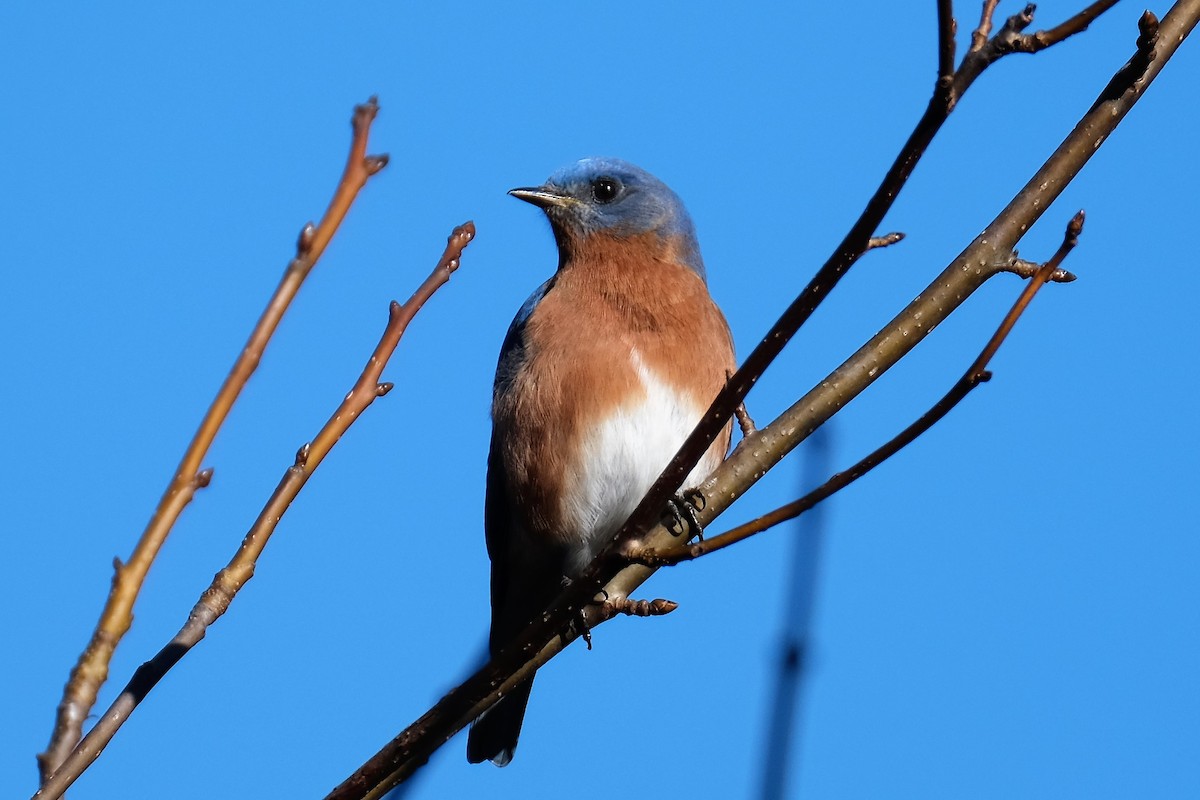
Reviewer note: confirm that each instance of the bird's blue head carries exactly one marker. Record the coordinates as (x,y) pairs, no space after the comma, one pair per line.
(614,197)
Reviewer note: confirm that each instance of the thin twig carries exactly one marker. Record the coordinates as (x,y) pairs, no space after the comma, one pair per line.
(745,421)
(91,670)
(1026,269)
(980,35)
(1033,42)
(216,598)
(538,643)
(887,240)
(1011,39)
(976,374)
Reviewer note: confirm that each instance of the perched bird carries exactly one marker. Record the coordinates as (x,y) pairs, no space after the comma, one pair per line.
(604,372)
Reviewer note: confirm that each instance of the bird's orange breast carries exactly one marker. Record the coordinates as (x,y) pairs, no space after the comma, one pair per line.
(597,408)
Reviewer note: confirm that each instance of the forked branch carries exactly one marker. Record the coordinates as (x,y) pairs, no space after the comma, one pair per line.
(991,253)
(975,375)
(216,598)
(91,670)
(1011,38)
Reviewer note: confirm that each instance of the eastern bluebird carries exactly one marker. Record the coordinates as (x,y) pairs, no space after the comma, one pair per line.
(604,372)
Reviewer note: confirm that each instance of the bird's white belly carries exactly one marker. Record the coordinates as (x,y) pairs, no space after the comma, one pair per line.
(622,456)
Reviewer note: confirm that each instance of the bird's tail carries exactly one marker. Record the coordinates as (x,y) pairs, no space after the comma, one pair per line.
(494,733)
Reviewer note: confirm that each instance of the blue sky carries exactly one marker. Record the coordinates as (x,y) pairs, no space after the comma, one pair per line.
(1008,608)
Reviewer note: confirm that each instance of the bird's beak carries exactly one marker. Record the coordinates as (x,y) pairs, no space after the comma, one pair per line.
(542,196)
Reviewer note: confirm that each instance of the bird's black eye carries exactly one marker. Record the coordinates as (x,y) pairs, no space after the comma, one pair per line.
(605,189)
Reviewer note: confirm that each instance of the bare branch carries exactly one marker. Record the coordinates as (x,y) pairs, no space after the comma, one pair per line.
(1032,43)
(91,670)
(984,52)
(976,374)
(991,252)
(216,599)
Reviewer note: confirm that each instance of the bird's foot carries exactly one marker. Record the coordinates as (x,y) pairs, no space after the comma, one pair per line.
(680,517)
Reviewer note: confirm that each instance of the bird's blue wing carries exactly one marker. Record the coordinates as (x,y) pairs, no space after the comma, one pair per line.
(494,734)
(512,352)
(497,516)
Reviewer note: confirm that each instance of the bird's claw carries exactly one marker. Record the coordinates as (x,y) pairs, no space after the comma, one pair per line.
(585,631)
(680,517)
(581,623)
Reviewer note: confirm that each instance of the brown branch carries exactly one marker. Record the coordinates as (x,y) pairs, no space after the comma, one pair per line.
(1033,42)
(976,374)
(1011,39)
(539,643)
(980,35)
(91,670)
(216,598)
(989,254)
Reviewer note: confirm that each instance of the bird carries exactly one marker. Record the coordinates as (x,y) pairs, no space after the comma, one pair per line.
(603,373)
